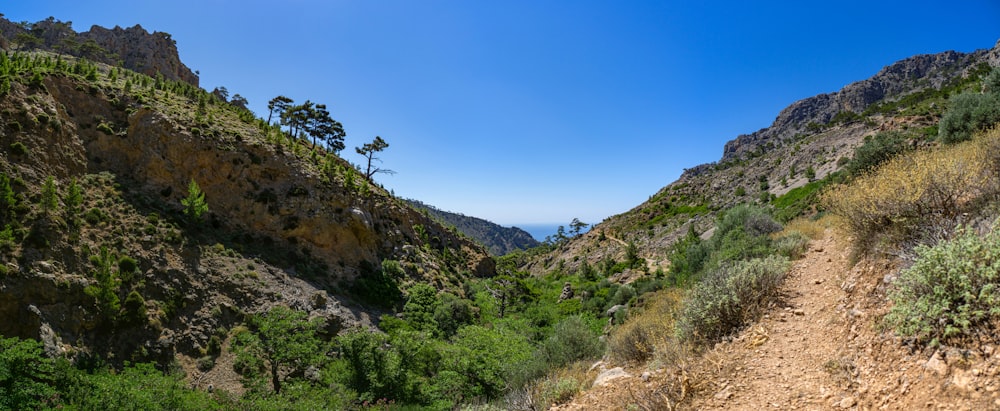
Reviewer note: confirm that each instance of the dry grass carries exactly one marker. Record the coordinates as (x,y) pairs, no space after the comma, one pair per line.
(561,385)
(919,193)
(647,332)
(814,229)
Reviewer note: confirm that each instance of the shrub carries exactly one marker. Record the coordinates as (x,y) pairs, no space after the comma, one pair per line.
(951,289)
(105,128)
(917,192)
(968,113)
(18,148)
(571,340)
(650,331)
(792,245)
(729,297)
(876,150)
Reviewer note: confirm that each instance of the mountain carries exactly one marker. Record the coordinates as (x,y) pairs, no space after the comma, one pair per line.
(497,239)
(809,140)
(123,271)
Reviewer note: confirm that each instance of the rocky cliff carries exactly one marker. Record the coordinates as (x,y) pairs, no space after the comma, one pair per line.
(134,48)
(497,239)
(903,77)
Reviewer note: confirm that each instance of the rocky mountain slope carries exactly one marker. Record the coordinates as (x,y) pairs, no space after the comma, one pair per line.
(497,239)
(134,48)
(809,140)
(124,274)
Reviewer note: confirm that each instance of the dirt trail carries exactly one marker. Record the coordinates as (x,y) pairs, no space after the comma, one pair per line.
(820,348)
(793,358)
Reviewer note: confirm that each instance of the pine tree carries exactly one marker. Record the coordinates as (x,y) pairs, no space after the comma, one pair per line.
(194,204)
(50,196)
(73,201)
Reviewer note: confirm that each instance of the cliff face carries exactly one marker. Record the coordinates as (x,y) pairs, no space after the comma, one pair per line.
(133,48)
(905,76)
(143,52)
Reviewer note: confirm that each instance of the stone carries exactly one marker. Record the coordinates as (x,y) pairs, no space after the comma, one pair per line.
(847,402)
(609,375)
(724,394)
(937,364)
(567,292)
(645,376)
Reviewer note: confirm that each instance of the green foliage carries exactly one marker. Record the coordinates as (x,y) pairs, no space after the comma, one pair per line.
(73,202)
(420,306)
(284,340)
(106,129)
(25,375)
(106,289)
(194,203)
(876,150)
(134,309)
(968,113)
(18,148)
(730,296)
(380,286)
(8,201)
(810,173)
(50,196)
(571,340)
(489,358)
(952,290)
(373,371)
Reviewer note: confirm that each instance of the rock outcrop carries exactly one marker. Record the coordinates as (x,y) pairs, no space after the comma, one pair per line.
(134,48)
(905,76)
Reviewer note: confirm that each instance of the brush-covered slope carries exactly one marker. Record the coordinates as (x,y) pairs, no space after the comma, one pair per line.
(783,164)
(122,272)
(497,239)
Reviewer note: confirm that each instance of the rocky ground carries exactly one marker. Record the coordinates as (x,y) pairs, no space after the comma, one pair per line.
(821,347)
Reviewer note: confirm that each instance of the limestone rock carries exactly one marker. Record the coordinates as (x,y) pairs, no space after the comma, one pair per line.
(608,375)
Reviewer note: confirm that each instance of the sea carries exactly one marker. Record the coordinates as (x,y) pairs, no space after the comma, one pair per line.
(540,231)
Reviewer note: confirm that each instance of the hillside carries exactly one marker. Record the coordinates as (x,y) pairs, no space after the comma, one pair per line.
(288,224)
(497,239)
(809,140)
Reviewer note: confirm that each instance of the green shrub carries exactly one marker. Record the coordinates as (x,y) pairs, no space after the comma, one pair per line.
(729,297)
(105,128)
(952,289)
(875,150)
(18,148)
(94,216)
(968,113)
(792,245)
(571,340)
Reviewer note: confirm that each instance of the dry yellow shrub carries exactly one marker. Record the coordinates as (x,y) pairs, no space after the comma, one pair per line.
(648,332)
(917,190)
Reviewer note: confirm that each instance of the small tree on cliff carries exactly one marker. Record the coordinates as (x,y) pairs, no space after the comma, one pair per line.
(194,203)
(369,150)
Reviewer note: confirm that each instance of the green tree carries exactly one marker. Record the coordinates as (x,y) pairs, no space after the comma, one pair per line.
(286,340)
(320,126)
(8,201)
(194,203)
(576,226)
(25,375)
(73,201)
(420,306)
(106,289)
(278,104)
(369,151)
(50,196)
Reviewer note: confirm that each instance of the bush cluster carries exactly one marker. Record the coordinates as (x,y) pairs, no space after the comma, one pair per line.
(730,296)
(951,290)
(916,193)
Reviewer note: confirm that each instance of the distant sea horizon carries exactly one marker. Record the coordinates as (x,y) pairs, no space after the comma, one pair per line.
(539,231)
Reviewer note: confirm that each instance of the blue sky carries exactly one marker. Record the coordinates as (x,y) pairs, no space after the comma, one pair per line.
(527,112)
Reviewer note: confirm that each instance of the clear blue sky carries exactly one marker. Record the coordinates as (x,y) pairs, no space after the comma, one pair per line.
(540,111)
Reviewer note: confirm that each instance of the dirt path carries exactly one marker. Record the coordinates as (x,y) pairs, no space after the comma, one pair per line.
(794,357)
(820,348)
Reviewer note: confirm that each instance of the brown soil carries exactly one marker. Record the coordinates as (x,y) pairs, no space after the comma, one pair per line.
(820,347)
